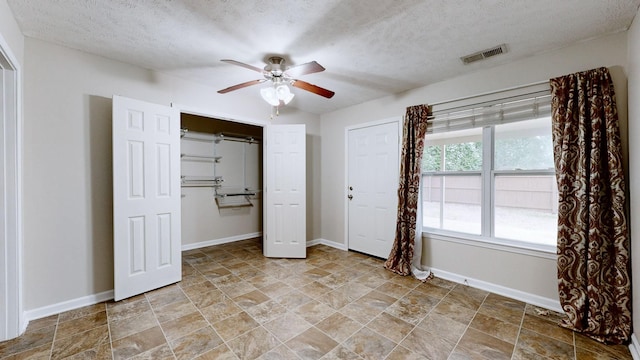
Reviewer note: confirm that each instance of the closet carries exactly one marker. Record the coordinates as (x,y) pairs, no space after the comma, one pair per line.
(221,181)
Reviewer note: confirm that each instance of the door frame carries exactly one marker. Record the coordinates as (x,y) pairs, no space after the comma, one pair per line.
(12,318)
(265,154)
(208,113)
(186,109)
(395,119)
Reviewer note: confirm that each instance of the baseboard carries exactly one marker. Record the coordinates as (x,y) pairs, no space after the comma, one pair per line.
(221,241)
(634,347)
(61,307)
(326,242)
(24,322)
(547,303)
(314,242)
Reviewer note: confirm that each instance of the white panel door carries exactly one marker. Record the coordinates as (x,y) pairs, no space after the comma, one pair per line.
(373,170)
(284,233)
(146,196)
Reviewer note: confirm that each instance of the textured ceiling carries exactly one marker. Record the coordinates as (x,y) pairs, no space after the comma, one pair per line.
(369,48)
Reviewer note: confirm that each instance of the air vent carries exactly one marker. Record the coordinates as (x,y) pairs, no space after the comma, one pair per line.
(481,55)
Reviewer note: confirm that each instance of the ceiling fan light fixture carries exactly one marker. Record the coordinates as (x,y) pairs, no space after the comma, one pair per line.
(277,93)
(284,93)
(269,95)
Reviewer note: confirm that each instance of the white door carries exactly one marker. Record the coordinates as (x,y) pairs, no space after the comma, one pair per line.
(146,196)
(284,233)
(373,170)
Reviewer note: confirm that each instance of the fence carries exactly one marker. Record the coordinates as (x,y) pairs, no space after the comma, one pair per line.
(526,192)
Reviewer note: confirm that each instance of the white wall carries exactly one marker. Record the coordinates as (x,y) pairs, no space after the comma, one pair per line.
(493,266)
(633,41)
(67,161)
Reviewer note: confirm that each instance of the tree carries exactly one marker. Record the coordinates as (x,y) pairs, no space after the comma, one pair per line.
(431,158)
(534,152)
(458,157)
(527,153)
(463,157)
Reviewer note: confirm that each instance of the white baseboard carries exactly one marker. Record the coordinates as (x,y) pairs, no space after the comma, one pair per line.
(326,242)
(547,303)
(24,322)
(221,241)
(73,304)
(314,242)
(634,347)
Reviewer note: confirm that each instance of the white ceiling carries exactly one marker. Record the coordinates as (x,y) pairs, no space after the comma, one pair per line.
(370,48)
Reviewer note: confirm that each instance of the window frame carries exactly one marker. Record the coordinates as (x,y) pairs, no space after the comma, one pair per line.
(488,175)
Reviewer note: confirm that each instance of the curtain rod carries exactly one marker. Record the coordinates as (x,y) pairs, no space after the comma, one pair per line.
(489,93)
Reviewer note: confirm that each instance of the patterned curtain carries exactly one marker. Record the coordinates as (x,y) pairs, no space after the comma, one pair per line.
(593,243)
(414,131)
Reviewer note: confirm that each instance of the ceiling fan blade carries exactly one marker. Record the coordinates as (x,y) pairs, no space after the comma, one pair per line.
(240,86)
(313,88)
(303,69)
(246,66)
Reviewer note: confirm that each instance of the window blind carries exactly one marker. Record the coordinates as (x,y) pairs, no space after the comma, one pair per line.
(501,111)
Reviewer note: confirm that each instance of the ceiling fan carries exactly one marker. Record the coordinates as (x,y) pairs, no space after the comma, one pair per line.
(279,75)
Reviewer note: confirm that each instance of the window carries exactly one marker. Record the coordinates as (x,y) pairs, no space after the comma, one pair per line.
(488,174)
(452,182)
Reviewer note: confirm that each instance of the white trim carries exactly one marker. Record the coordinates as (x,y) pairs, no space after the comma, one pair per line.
(547,303)
(314,242)
(397,119)
(218,116)
(326,242)
(221,241)
(12,320)
(68,305)
(634,347)
(373,123)
(234,118)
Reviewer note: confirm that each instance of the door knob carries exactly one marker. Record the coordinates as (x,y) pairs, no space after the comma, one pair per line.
(350,196)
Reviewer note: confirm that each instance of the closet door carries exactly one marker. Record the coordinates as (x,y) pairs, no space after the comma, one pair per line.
(146,196)
(285,232)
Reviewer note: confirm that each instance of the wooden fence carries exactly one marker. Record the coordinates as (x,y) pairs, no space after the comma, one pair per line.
(526,192)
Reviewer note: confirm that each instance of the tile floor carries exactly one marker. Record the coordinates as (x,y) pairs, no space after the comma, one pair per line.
(235,304)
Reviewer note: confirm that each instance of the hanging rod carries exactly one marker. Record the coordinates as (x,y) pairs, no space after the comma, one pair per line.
(200,184)
(200,158)
(233,203)
(201,181)
(194,135)
(237,138)
(236,194)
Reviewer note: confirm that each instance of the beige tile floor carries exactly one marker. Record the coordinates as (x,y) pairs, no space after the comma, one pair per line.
(235,304)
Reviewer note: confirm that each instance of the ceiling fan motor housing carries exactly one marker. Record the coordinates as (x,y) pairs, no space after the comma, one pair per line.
(276,66)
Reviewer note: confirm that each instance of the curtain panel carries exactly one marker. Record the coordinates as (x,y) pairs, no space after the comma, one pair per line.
(593,243)
(405,249)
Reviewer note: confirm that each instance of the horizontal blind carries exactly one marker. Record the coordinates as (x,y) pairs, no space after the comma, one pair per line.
(501,111)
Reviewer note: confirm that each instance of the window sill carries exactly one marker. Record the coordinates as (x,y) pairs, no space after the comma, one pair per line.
(538,250)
